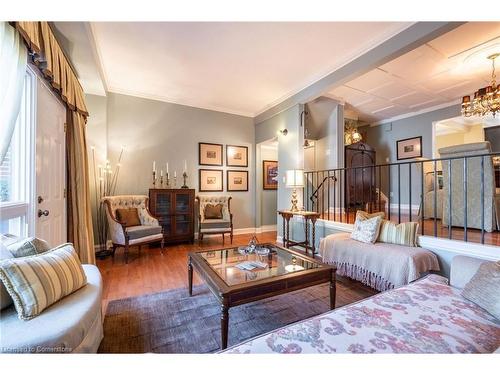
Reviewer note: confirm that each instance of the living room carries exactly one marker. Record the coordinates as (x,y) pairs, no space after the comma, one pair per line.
(166,190)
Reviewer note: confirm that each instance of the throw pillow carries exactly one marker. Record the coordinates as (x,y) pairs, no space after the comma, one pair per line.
(400,234)
(483,288)
(28,247)
(213,212)
(363,215)
(366,230)
(5,300)
(129,216)
(36,282)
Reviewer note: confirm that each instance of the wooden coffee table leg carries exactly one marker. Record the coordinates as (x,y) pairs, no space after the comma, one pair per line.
(333,289)
(224,324)
(190,277)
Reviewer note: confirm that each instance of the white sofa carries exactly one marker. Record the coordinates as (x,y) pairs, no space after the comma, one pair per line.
(72,325)
(426,316)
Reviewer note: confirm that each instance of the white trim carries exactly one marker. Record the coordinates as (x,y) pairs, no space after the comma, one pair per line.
(11,210)
(416,113)
(460,247)
(266,228)
(405,208)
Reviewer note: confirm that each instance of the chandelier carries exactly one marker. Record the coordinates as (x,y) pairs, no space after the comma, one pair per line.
(486,100)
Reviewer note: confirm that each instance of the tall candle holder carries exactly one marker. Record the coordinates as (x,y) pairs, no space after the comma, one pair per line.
(167,180)
(154,179)
(184,176)
(175,181)
(161,181)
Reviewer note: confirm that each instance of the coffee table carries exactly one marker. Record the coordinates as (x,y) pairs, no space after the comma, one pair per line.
(287,270)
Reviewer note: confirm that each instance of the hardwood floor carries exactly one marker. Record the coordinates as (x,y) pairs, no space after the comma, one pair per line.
(152,271)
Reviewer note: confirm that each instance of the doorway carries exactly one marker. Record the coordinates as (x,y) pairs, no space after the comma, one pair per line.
(266,193)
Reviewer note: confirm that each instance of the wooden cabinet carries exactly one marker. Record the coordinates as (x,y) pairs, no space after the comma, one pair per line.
(360,188)
(175,210)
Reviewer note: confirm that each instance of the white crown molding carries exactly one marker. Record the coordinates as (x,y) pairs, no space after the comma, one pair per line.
(318,78)
(416,113)
(187,103)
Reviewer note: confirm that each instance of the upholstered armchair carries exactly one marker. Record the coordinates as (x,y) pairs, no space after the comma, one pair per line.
(214,216)
(145,229)
(429,195)
(474,207)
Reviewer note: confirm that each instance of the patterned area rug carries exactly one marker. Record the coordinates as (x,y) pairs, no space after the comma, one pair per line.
(173,322)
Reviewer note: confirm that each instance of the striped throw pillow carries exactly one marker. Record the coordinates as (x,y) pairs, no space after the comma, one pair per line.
(399,234)
(38,281)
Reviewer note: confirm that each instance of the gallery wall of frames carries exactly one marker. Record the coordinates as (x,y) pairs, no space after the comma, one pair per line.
(214,155)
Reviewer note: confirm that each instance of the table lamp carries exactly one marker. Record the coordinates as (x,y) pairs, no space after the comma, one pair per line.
(294,179)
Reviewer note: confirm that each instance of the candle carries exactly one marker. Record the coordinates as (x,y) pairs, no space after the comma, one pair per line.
(167,167)
(161,172)
(175,174)
(154,166)
(185,166)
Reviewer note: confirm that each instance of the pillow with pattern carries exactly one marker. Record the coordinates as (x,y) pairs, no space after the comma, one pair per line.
(28,246)
(366,230)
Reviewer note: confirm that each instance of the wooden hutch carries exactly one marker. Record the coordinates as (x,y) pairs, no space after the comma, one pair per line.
(174,208)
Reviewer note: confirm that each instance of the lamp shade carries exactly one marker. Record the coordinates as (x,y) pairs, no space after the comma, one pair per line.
(295,178)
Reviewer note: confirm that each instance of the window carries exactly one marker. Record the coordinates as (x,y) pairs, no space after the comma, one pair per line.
(16,170)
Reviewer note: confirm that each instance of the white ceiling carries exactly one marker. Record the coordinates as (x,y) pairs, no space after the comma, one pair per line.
(242,68)
(434,74)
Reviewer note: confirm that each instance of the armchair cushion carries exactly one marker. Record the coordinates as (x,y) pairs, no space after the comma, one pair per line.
(128,216)
(140,231)
(213,211)
(215,224)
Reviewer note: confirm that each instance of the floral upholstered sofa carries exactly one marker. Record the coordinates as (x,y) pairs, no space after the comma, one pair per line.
(427,316)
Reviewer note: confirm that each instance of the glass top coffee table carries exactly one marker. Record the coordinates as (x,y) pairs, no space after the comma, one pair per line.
(280,271)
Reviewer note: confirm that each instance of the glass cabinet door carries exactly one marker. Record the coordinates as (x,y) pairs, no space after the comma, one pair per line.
(163,204)
(181,203)
(182,224)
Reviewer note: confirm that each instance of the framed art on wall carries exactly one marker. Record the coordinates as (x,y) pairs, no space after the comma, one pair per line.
(236,156)
(409,148)
(210,154)
(237,180)
(210,180)
(269,175)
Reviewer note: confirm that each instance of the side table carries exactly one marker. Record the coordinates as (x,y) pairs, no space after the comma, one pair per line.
(308,216)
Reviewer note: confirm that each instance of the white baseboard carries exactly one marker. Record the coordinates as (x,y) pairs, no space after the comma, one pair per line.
(249,230)
(405,208)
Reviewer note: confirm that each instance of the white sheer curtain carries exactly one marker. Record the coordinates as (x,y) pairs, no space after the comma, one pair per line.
(13,60)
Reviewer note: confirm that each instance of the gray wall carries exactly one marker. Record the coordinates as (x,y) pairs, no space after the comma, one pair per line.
(153,130)
(269,198)
(493,136)
(383,138)
(290,150)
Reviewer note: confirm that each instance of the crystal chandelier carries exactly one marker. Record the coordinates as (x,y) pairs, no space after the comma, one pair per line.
(486,100)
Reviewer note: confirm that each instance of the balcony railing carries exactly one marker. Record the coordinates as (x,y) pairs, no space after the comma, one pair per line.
(453,197)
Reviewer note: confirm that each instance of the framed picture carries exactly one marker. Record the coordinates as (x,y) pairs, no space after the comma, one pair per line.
(269,175)
(210,154)
(409,148)
(211,180)
(237,180)
(236,156)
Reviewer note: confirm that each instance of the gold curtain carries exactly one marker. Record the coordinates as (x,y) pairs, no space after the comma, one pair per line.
(78,187)
(54,65)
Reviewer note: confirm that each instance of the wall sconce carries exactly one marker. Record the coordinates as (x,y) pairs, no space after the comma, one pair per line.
(284,131)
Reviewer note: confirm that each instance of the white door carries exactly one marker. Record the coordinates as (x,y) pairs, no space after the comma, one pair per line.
(50,200)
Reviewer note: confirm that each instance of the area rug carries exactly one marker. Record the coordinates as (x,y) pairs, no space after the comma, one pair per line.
(173,322)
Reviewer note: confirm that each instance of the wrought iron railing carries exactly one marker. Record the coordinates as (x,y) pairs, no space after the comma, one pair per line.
(405,190)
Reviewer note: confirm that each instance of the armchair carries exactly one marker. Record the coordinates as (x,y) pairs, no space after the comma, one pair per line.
(148,231)
(221,225)
(490,193)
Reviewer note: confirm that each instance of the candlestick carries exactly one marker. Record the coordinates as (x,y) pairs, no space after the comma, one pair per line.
(167,179)
(154,179)
(167,167)
(154,166)
(184,176)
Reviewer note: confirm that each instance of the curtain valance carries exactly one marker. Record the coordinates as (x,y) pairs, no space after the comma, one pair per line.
(51,60)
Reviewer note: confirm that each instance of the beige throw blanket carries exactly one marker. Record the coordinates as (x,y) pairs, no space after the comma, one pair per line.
(380,265)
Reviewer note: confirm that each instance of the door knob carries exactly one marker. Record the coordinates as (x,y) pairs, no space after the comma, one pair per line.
(43,213)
